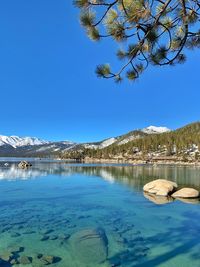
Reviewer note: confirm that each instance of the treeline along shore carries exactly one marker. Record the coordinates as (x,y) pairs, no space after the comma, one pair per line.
(181,146)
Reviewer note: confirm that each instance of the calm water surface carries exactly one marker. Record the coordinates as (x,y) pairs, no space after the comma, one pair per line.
(96,215)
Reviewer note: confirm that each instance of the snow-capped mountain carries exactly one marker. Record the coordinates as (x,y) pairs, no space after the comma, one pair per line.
(128,137)
(155,130)
(16,141)
(32,146)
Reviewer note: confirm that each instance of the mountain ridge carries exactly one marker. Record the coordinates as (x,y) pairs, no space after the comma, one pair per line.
(141,144)
(15,145)
(182,144)
(17,141)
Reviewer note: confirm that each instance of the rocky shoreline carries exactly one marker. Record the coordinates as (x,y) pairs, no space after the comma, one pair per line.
(87,160)
(153,162)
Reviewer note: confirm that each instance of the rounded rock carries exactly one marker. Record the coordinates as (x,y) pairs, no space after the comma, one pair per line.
(160,187)
(24,164)
(186,193)
(89,246)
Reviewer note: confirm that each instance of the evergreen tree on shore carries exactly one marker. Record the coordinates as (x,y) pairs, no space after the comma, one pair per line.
(179,142)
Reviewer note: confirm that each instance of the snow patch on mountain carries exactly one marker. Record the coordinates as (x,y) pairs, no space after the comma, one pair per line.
(16,141)
(129,139)
(155,130)
(108,142)
(102,144)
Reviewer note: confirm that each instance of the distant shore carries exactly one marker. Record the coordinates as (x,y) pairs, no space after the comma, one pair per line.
(87,160)
(165,161)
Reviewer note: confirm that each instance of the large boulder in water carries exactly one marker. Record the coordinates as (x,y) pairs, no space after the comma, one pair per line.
(160,187)
(24,164)
(186,193)
(89,246)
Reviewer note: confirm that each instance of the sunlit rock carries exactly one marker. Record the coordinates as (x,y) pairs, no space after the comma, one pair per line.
(24,164)
(160,187)
(186,193)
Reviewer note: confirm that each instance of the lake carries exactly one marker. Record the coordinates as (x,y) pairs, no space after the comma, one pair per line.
(78,215)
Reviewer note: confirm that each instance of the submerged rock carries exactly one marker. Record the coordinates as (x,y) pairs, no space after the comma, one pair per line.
(53,237)
(24,164)
(6,256)
(46,232)
(186,193)
(15,235)
(24,260)
(160,187)
(48,259)
(15,249)
(63,238)
(89,246)
(14,261)
(44,238)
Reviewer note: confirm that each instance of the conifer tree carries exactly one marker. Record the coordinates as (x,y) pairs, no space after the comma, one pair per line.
(152,32)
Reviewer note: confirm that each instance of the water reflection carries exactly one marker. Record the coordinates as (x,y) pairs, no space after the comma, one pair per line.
(159,200)
(132,176)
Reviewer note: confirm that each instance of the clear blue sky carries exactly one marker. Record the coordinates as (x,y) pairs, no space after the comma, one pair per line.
(48,87)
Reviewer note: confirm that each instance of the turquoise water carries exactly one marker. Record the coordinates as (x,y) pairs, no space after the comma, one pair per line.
(96,215)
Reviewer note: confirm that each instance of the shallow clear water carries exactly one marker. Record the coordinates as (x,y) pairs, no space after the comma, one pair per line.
(45,210)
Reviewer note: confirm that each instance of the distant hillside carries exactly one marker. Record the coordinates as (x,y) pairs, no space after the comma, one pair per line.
(34,147)
(183,143)
(143,144)
(15,146)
